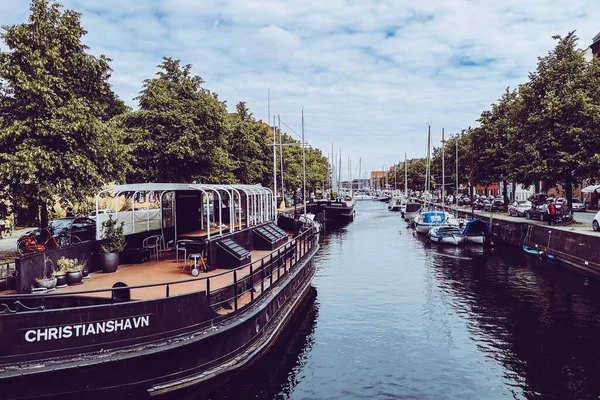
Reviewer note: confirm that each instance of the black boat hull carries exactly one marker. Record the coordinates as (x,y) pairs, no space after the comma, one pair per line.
(194,361)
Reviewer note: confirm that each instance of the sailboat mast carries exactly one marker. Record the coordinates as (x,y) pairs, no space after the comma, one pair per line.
(281,160)
(443,170)
(359,173)
(405,176)
(456,193)
(274,169)
(427,171)
(303,167)
(396,176)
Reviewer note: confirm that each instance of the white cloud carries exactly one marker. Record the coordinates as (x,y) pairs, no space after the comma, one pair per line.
(369,75)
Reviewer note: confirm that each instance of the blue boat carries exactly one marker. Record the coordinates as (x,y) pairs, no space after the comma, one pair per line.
(535,252)
(429,219)
(477,231)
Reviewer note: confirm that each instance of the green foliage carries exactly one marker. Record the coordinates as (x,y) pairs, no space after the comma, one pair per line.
(545,130)
(113,240)
(55,102)
(181,130)
(64,265)
(250,154)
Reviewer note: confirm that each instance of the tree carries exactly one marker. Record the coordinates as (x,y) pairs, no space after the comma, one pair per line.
(560,116)
(55,100)
(180,132)
(250,153)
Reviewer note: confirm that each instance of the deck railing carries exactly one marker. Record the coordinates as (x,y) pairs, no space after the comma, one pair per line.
(247,282)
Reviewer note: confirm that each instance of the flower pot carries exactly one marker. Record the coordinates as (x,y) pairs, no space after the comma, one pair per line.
(85,272)
(74,277)
(109,262)
(61,280)
(48,283)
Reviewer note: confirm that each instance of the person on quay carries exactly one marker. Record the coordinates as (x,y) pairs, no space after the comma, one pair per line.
(565,211)
(551,213)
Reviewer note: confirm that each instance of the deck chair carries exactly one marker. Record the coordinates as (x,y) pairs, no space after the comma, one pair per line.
(152,243)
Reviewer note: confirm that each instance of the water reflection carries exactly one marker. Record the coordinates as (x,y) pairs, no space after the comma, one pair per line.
(399,317)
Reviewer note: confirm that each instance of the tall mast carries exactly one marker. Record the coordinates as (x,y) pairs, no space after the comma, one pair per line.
(340,185)
(456,193)
(396,176)
(427,172)
(359,173)
(332,171)
(274,170)
(303,167)
(281,160)
(405,176)
(443,171)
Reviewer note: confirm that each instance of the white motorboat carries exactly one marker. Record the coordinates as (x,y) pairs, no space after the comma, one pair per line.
(446,235)
(429,219)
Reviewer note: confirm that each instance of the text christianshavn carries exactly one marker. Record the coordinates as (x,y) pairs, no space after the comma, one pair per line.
(86,329)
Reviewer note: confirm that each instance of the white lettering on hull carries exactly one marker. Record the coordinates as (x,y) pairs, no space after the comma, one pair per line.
(87,329)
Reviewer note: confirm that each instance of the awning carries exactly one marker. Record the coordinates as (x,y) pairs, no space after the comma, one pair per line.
(590,189)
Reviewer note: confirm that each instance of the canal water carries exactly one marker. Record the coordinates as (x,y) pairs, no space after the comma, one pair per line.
(395,317)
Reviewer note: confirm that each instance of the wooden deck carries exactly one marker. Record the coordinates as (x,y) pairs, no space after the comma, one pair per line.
(165,269)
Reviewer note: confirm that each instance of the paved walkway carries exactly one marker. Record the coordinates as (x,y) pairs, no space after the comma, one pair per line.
(582,223)
(8,244)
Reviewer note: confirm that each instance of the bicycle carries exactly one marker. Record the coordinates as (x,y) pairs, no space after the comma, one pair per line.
(29,243)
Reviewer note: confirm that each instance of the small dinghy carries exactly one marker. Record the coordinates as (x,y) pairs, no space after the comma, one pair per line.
(535,252)
(446,235)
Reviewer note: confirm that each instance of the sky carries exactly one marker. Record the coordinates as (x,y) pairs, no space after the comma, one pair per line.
(370,75)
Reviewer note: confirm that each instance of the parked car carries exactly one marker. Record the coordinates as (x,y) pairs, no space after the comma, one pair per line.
(519,208)
(464,201)
(577,205)
(538,212)
(480,203)
(596,222)
(101,211)
(497,204)
(82,227)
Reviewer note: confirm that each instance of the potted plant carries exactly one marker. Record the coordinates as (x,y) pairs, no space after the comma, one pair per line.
(112,243)
(74,274)
(47,280)
(60,272)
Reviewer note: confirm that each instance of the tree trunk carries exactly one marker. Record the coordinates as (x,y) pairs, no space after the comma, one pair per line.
(44,215)
(514,191)
(505,195)
(569,192)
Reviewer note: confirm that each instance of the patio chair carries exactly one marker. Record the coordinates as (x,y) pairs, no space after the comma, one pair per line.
(180,246)
(152,243)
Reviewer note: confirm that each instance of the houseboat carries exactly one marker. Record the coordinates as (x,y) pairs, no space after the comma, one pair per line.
(153,328)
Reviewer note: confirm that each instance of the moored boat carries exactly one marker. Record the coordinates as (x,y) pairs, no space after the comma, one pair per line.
(477,231)
(152,328)
(429,219)
(446,235)
(412,209)
(395,205)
